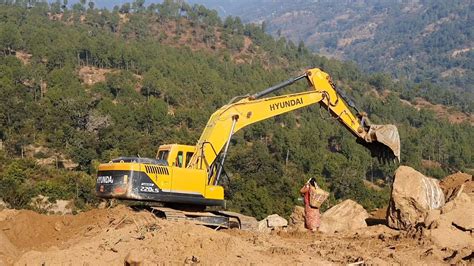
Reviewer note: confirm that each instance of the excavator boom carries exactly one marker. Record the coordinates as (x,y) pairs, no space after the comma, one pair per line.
(382,140)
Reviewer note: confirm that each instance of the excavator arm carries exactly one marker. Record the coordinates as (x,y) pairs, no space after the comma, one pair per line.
(251,109)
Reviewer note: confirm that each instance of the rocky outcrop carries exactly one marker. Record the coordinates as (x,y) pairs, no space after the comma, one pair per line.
(459,212)
(451,227)
(413,196)
(345,216)
(454,184)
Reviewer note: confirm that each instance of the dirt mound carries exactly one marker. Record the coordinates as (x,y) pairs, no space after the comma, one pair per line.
(28,229)
(8,252)
(112,236)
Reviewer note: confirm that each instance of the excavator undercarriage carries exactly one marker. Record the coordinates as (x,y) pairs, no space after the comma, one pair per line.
(217,219)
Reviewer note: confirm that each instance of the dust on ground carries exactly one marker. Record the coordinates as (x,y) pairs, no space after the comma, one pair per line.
(108,236)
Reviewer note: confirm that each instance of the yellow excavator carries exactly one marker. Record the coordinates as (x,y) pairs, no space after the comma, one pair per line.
(184,177)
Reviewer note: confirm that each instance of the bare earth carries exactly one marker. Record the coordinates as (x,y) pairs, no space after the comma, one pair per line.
(109,236)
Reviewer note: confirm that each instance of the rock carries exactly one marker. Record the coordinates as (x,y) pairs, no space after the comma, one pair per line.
(4,205)
(192,260)
(459,212)
(450,237)
(460,257)
(297,218)
(454,224)
(413,196)
(133,258)
(263,227)
(102,205)
(247,223)
(271,222)
(469,187)
(61,207)
(458,203)
(432,218)
(276,220)
(379,231)
(345,216)
(452,185)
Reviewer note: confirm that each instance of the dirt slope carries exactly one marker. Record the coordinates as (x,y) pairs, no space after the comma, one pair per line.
(107,236)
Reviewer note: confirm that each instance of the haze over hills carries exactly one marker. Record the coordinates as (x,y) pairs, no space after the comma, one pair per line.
(418,40)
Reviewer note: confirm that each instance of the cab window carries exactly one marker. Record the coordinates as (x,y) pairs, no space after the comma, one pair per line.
(188,157)
(179,159)
(163,155)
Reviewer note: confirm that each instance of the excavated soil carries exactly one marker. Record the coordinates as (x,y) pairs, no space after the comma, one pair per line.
(110,236)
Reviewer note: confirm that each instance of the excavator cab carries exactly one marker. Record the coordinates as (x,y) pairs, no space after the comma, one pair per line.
(176,154)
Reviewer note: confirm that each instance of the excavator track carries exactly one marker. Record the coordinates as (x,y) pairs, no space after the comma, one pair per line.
(245,222)
(196,217)
(215,219)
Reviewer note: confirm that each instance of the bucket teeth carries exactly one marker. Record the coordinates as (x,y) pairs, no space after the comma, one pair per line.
(384,142)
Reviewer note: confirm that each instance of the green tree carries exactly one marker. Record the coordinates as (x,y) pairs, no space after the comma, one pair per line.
(10,38)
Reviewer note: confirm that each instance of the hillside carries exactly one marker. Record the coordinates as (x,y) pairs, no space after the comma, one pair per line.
(416,40)
(83,86)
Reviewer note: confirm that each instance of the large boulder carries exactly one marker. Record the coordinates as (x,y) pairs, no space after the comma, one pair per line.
(345,216)
(276,220)
(453,185)
(413,196)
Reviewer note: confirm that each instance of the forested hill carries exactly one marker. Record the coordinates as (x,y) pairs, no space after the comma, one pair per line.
(418,40)
(81,86)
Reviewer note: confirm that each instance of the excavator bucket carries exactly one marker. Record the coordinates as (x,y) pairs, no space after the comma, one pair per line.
(387,136)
